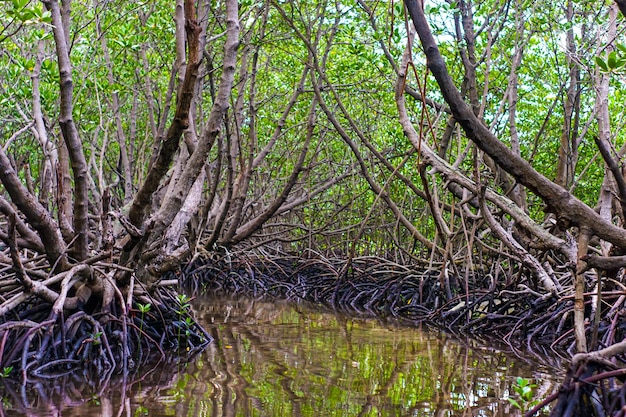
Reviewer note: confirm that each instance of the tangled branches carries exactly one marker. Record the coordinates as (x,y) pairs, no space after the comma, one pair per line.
(510,308)
(507,308)
(73,321)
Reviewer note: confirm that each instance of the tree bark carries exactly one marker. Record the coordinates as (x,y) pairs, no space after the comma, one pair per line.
(196,161)
(622,6)
(35,213)
(579,292)
(51,157)
(161,164)
(69,130)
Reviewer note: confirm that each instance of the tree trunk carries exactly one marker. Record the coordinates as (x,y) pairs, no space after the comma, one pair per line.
(69,130)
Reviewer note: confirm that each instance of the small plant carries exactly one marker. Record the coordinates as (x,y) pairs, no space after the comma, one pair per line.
(143,309)
(6,372)
(141,411)
(95,338)
(183,301)
(525,392)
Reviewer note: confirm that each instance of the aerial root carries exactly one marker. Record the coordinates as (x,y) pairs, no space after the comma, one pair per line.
(512,309)
(43,340)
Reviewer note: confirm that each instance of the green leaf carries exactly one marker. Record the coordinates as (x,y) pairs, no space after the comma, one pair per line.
(514,403)
(46,17)
(612,60)
(600,62)
(27,15)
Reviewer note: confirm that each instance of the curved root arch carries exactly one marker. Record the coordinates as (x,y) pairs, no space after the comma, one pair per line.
(72,321)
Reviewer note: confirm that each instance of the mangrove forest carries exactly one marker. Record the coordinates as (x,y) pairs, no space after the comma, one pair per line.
(452,163)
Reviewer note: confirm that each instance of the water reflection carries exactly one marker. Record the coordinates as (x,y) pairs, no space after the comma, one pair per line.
(273,359)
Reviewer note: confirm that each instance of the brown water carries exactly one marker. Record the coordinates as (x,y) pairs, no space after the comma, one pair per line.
(276,359)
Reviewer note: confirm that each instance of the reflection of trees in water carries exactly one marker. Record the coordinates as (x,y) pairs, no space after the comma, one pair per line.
(301,363)
(272,359)
(80,394)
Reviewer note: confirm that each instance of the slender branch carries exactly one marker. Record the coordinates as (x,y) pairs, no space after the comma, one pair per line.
(255,224)
(530,261)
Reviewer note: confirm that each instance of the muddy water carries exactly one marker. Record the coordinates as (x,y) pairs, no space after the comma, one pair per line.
(274,359)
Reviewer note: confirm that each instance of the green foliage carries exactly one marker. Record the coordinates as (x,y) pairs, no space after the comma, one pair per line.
(614,60)
(96,338)
(28,14)
(144,308)
(141,411)
(525,392)
(141,46)
(6,372)
(183,301)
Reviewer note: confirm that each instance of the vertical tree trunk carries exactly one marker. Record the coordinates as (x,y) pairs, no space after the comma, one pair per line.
(517,194)
(604,138)
(124,160)
(579,292)
(173,202)
(69,130)
(168,147)
(568,151)
(51,157)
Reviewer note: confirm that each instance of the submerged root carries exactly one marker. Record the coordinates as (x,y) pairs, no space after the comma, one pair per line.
(378,287)
(593,386)
(110,394)
(511,309)
(39,339)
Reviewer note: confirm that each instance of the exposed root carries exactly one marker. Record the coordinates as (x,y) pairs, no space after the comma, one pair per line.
(79,322)
(510,308)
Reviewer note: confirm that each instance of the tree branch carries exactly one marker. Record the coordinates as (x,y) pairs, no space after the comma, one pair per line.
(161,164)
(622,6)
(564,204)
(35,213)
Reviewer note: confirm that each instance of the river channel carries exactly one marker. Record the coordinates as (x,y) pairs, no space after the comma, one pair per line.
(279,359)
